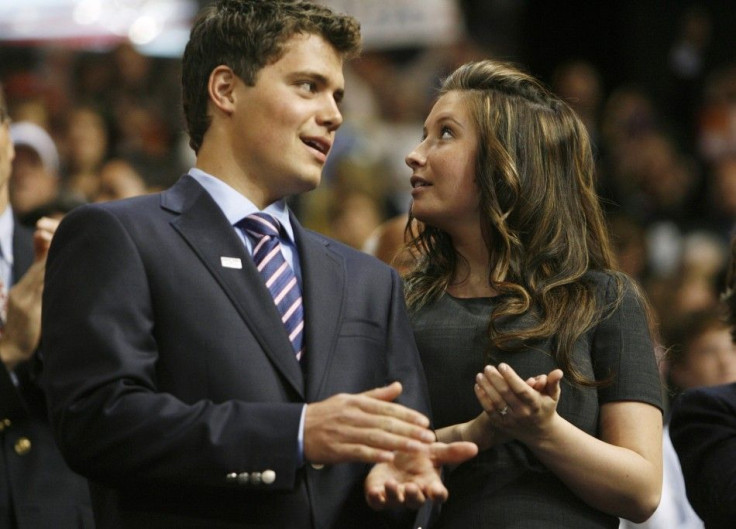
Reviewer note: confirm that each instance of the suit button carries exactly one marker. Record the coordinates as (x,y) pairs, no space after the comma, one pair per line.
(22,446)
(5,423)
(268,477)
(317,466)
(243,478)
(255,478)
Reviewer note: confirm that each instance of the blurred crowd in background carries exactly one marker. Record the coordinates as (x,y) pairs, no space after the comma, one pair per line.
(666,149)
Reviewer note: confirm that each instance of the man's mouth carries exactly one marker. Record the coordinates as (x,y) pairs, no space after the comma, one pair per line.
(318,144)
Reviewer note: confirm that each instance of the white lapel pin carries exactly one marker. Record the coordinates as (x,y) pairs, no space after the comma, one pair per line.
(231,262)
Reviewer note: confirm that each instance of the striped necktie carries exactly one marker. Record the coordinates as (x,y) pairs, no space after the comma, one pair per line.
(278,275)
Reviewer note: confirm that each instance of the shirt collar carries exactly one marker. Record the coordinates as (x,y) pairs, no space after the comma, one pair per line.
(6,235)
(236,206)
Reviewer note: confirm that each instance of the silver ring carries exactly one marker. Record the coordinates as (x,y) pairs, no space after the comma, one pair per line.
(504,410)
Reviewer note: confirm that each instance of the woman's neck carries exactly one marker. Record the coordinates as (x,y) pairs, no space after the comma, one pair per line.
(471,276)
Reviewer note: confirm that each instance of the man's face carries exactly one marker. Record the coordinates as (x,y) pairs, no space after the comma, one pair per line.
(284,126)
(32,185)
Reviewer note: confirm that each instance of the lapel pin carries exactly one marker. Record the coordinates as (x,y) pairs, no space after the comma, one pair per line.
(231,262)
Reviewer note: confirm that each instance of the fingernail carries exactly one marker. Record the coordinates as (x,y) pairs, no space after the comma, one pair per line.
(422,421)
(502,367)
(427,437)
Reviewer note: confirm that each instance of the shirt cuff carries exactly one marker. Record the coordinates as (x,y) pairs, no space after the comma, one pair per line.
(300,438)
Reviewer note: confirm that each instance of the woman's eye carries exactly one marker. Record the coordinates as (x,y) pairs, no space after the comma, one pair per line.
(445,132)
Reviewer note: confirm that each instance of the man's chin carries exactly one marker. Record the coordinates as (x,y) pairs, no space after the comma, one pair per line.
(309,183)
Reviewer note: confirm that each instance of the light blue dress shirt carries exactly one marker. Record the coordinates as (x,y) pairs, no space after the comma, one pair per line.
(235,206)
(7,225)
(6,247)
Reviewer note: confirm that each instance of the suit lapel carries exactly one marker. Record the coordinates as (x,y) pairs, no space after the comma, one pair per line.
(211,237)
(323,291)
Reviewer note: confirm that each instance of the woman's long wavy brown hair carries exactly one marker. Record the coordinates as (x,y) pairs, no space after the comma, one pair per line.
(540,216)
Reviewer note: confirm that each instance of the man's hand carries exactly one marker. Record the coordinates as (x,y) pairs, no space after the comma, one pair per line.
(366,427)
(22,331)
(45,229)
(413,478)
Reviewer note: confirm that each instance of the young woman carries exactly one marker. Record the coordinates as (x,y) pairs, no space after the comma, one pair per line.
(534,346)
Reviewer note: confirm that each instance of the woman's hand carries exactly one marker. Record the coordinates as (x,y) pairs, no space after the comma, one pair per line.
(523,409)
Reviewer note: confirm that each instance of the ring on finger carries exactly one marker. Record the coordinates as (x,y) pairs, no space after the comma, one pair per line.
(503,411)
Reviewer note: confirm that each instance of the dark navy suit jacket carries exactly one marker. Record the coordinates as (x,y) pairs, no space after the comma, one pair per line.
(170,375)
(703,432)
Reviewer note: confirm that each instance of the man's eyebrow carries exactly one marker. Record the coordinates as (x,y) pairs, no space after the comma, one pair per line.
(321,80)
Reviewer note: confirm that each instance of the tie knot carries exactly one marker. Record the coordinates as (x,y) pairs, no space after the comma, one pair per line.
(261,224)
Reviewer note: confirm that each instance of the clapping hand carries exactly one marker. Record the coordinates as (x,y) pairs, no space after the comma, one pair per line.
(519,408)
(413,478)
(22,331)
(365,427)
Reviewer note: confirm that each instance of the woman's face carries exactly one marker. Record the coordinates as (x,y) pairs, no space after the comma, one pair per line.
(444,190)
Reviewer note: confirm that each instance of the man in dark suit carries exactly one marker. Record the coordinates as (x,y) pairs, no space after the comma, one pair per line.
(37,488)
(703,432)
(173,382)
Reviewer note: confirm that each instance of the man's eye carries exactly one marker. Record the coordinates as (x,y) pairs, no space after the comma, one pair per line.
(308,86)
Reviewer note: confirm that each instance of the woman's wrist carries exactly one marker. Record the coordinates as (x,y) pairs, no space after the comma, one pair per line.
(479,431)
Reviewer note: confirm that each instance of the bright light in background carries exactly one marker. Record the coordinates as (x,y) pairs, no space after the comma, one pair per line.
(144,30)
(87,12)
(156,27)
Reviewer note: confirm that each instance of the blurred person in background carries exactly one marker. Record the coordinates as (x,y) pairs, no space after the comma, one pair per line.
(118,179)
(699,260)
(703,429)
(700,353)
(388,243)
(86,144)
(629,241)
(35,174)
(352,217)
(37,489)
(579,84)
(720,207)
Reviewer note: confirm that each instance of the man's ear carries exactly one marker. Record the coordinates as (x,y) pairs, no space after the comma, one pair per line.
(221,86)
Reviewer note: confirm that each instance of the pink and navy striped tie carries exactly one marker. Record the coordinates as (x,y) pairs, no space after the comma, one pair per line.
(278,275)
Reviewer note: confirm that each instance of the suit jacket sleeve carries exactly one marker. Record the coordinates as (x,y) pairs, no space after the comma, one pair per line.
(112,420)
(703,432)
